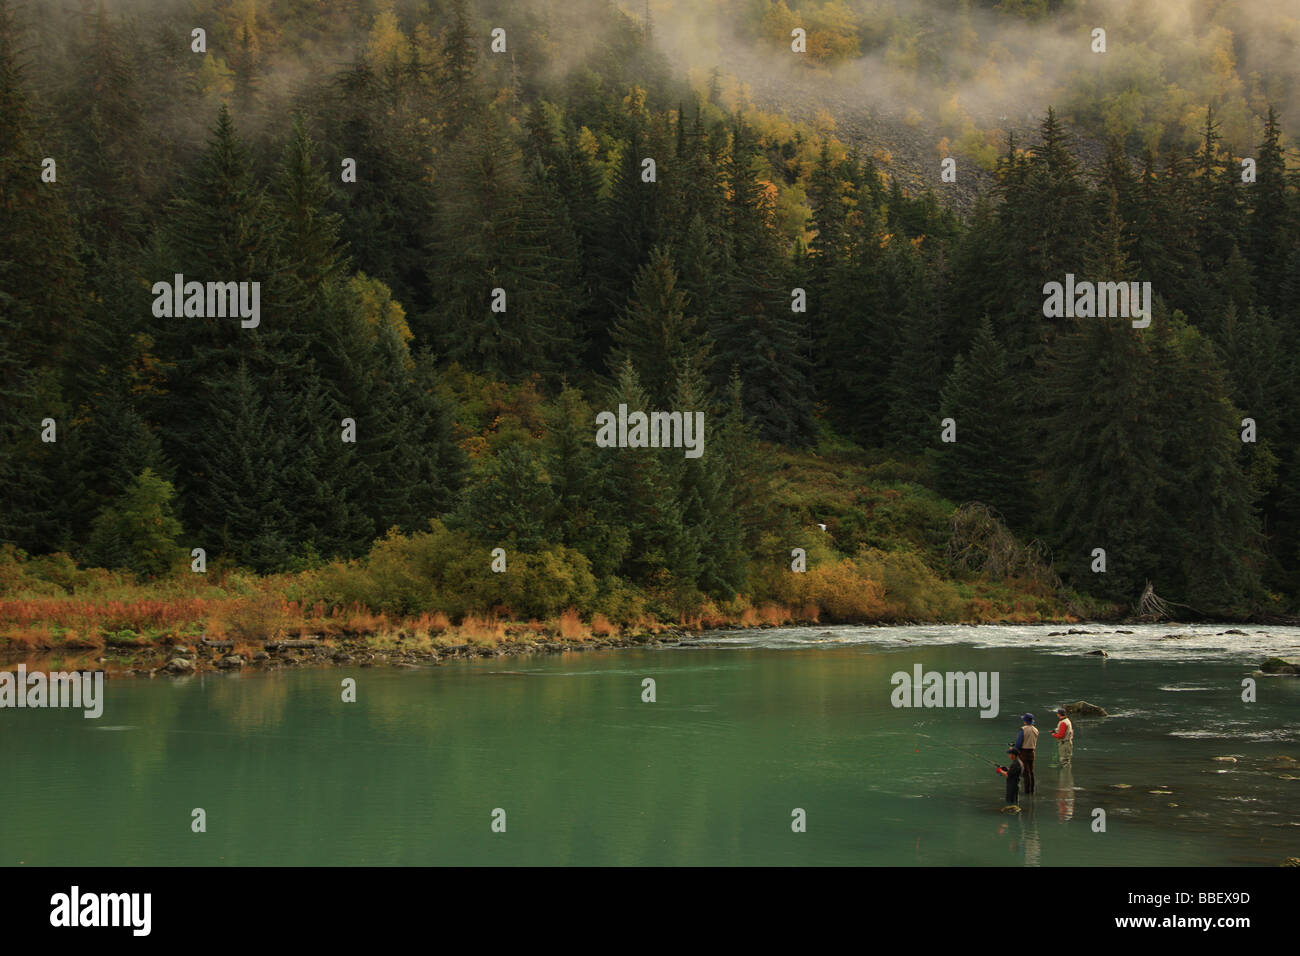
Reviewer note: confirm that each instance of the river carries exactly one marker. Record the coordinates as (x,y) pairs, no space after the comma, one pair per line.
(746,729)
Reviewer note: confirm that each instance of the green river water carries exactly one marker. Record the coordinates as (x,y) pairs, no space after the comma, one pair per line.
(746,728)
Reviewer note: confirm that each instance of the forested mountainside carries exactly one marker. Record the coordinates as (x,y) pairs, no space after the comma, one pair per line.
(474,227)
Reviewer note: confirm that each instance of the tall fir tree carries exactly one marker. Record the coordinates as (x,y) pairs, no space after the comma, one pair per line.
(991,460)
(657,333)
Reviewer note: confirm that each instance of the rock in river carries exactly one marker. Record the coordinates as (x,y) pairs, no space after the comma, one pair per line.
(1084,709)
(1281,665)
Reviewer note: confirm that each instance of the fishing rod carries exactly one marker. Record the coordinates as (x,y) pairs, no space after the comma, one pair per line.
(959,750)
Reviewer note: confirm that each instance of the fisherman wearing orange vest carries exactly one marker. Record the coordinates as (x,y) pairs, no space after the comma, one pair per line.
(1064,735)
(1027,744)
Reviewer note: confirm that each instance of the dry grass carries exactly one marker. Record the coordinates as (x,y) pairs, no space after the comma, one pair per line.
(24,639)
(263,619)
(482,630)
(434,623)
(571,627)
(140,615)
(706,617)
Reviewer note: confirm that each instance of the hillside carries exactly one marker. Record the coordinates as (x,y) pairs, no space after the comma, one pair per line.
(337,312)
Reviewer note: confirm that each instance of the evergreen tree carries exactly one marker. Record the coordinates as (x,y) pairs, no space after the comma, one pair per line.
(1100,446)
(584,516)
(222,229)
(631,213)
(509,503)
(498,233)
(758,335)
(990,461)
(854,329)
(711,557)
(236,483)
(309,233)
(1211,539)
(920,357)
(656,334)
(1271,229)
(1044,201)
(642,483)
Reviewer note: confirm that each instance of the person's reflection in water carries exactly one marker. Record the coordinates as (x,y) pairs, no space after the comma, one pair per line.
(1065,794)
(1033,849)
(1024,837)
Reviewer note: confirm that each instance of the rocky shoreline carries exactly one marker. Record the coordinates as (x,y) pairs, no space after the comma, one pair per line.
(403,650)
(182,659)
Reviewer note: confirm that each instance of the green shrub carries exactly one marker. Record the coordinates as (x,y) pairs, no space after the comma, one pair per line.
(138,531)
(911,584)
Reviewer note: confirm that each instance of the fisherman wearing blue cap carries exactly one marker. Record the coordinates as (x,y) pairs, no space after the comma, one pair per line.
(1027,744)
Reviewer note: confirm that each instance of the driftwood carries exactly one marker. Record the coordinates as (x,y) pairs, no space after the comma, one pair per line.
(207,643)
(1151,607)
(278,645)
(980,542)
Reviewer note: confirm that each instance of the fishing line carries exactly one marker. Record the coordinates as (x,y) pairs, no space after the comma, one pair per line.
(959,750)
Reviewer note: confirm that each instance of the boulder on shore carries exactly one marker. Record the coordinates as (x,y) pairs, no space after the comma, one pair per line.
(1082,708)
(179,665)
(290,645)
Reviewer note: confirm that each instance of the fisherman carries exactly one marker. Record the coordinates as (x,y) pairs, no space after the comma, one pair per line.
(1064,735)
(1027,743)
(1012,772)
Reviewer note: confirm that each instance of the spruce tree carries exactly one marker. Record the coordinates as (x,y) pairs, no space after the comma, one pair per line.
(508,503)
(657,333)
(758,334)
(643,485)
(584,515)
(990,461)
(1211,539)
(1101,467)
